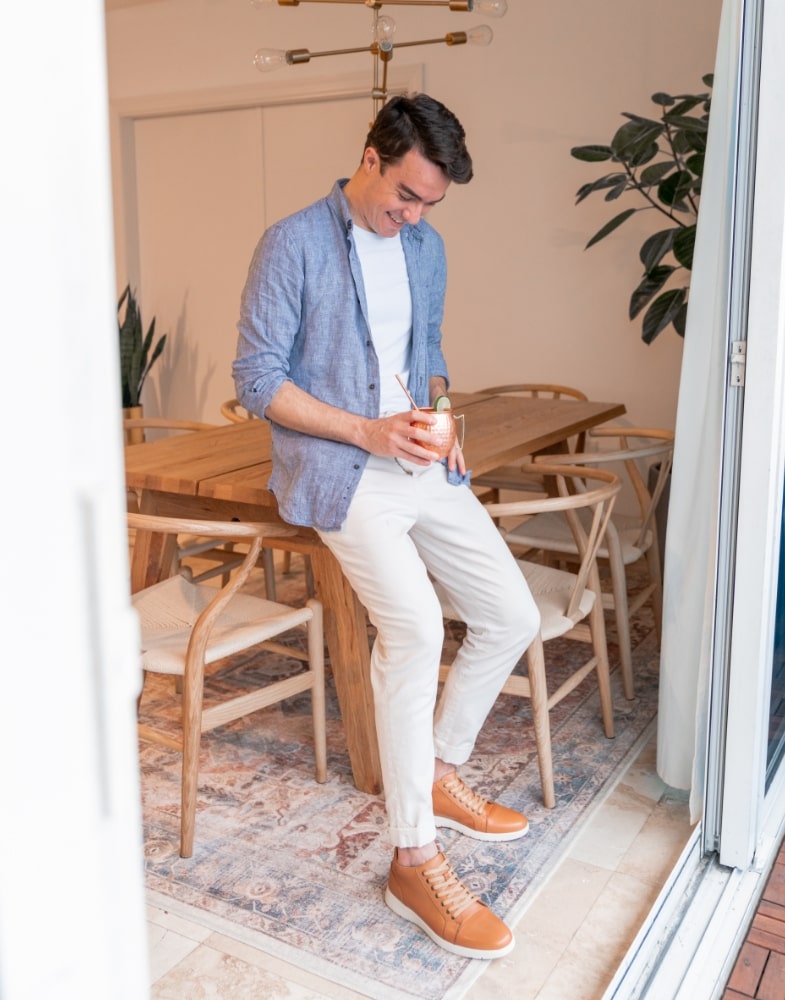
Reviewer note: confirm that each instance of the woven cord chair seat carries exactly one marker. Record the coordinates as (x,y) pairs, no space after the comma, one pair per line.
(169,610)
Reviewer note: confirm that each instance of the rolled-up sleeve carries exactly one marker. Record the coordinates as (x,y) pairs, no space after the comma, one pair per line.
(270,316)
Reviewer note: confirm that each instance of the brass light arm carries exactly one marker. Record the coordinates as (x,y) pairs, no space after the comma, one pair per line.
(296,56)
(460,5)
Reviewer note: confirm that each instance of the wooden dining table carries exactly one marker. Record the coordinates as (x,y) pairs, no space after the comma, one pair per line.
(224,473)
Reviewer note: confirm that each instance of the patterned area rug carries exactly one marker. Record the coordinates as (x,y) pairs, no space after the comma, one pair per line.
(298,869)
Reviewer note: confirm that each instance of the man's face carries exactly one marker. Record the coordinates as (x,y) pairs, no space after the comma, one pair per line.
(405,191)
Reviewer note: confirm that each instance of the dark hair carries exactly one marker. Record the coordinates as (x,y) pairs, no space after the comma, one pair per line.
(425,125)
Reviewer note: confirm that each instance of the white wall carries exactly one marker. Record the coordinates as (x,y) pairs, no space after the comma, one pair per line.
(525,301)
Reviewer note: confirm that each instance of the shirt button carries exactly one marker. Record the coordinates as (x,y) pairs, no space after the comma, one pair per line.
(372,385)
(356,466)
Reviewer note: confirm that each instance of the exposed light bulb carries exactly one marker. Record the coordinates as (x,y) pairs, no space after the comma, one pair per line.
(383,31)
(267,60)
(479,35)
(491,8)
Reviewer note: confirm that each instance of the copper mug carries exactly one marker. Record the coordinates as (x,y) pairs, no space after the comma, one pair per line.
(443,431)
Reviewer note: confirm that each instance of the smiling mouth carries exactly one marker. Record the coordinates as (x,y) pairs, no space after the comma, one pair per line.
(398,222)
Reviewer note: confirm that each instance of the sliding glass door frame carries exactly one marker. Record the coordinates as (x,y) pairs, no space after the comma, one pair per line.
(736,797)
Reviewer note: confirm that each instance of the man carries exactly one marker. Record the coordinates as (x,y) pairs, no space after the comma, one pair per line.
(341,298)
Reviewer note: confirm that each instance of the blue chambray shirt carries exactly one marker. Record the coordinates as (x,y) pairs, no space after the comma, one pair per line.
(304,318)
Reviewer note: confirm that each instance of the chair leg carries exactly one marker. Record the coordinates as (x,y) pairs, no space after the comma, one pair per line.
(318,708)
(268,561)
(535,660)
(225,576)
(310,586)
(600,646)
(193,693)
(622,612)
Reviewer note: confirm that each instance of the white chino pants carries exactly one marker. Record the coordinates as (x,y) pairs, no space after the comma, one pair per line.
(400,528)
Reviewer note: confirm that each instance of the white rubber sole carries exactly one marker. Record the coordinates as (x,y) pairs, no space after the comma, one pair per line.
(403,911)
(453,824)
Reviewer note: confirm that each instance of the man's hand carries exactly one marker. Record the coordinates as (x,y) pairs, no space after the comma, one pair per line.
(397,436)
(456,460)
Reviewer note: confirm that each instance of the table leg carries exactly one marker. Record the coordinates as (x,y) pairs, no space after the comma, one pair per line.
(347,642)
(152,552)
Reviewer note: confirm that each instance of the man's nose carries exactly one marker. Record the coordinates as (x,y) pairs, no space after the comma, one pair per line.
(413,212)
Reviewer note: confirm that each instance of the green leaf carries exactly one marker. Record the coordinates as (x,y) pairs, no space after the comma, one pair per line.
(618,190)
(680,320)
(655,248)
(635,143)
(663,99)
(654,173)
(134,350)
(651,283)
(675,188)
(592,154)
(684,246)
(609,227)
(642,120)
(609,180)
(662,312)
(684,106)
(686,123)
(685,142)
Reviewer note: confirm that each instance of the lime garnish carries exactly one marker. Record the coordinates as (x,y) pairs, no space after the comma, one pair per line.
(442,403)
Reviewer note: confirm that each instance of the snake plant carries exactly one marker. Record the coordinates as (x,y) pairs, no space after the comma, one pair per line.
(136,358)
(661,160)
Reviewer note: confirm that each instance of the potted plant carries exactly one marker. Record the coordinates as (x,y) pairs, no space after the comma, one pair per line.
(137,353)
(661,160)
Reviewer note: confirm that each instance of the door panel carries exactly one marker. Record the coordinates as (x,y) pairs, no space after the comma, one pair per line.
(200,205)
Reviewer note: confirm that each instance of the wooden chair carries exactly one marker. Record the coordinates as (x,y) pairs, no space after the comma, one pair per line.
(187,625)
(508,477)
(630,537)
(569,601)
(235,413)
(222,558)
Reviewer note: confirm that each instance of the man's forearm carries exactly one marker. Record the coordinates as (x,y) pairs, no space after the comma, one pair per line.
(296,409)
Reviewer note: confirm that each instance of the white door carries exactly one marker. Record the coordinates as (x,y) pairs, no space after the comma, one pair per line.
(742,784)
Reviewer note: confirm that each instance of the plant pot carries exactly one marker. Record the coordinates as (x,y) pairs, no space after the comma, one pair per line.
(133,435)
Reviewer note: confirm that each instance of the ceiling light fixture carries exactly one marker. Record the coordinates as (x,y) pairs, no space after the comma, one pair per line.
(382,43)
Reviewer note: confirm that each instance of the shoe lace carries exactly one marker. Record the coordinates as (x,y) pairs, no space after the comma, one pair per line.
(464,795)
(448,890)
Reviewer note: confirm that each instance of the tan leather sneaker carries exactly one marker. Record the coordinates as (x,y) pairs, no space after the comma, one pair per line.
(432,896)
(456,806)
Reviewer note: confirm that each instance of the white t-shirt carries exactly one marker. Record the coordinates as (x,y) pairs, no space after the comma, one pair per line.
(389,300)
